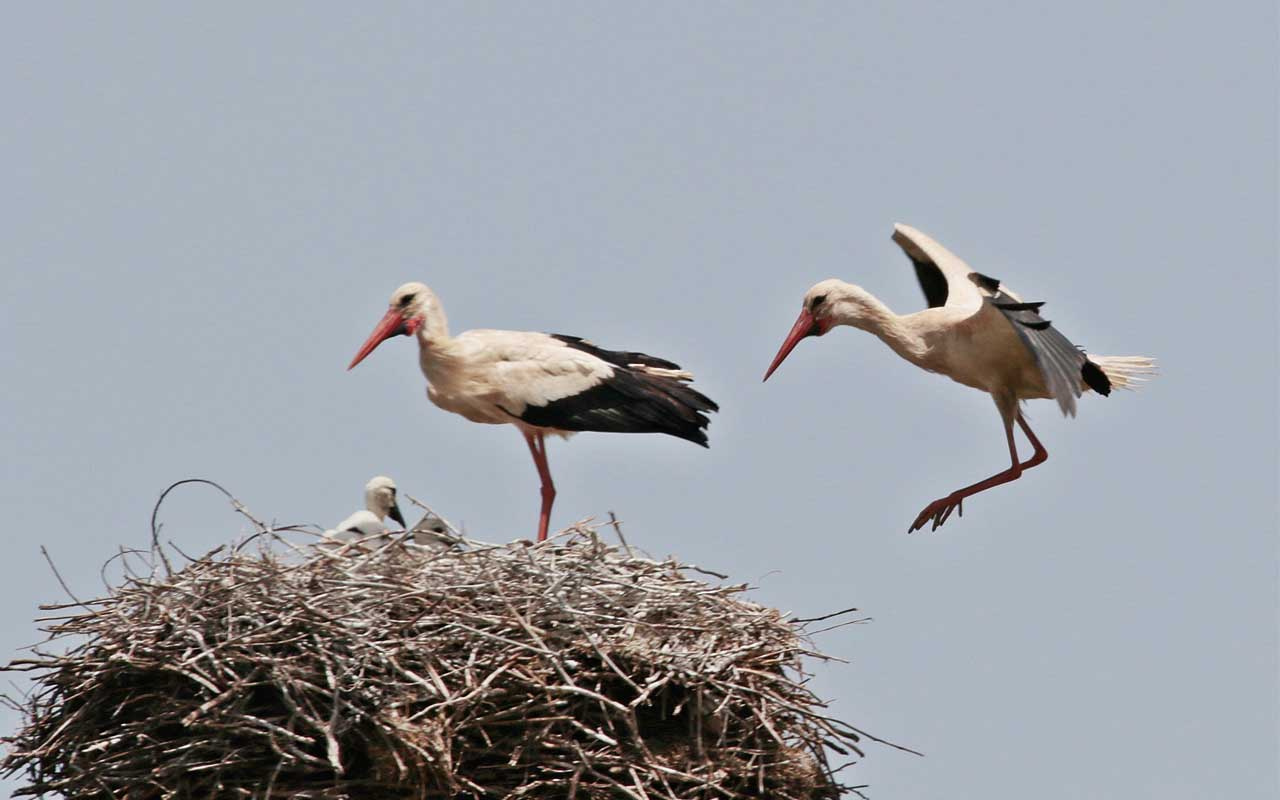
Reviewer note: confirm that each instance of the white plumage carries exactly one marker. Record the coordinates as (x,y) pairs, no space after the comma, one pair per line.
(976,332)
(541,383)
(493,376)
(379,503)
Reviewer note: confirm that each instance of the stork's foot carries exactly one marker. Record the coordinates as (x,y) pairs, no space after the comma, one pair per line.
(939,511)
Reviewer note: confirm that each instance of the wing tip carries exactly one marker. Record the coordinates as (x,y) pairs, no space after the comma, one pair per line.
(907,237)
(1095,378)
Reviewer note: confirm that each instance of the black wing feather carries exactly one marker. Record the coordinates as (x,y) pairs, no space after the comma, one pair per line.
(1062,364)
(986,282)
(619,358)
(1095,378)
(932,282)
(628,401)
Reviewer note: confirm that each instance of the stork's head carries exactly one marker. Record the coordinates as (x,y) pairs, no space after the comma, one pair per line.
(380,498)
(827,304)
(412,306)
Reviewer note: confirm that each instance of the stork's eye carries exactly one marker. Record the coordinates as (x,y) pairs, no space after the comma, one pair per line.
(817,301)
(406,300)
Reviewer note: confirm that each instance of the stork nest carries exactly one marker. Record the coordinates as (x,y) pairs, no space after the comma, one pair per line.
(568,669)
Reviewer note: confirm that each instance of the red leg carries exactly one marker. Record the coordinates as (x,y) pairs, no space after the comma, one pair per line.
(538,447)
(1041,455)
(939,510)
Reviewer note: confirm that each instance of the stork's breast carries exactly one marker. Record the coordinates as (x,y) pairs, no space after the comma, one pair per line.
(473,407)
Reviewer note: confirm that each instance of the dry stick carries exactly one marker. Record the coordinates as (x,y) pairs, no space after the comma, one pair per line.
(432,511)
(806,620)
(63,583)
(837,626)
(155,512)
(617,529)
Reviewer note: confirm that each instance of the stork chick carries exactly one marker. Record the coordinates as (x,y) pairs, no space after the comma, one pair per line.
(379,503)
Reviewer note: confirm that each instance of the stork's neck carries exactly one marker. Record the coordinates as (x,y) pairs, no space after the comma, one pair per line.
(875,317)
(439,354)
(373,506)
(434,332)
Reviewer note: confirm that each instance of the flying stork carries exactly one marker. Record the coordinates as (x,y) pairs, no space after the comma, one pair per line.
(541,383)
(977,332)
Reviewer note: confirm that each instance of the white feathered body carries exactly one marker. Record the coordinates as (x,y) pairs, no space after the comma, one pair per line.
(499,377)
(492,376)
(982,351)
(357,526)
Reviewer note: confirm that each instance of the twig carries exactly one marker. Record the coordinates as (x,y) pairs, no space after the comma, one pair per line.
(61,582)
(805,620)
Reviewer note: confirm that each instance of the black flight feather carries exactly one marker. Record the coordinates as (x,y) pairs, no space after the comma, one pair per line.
(615,357)
(1011,306)
(985,281)
(932,282)
(1062,364)
(628,401)
(1095,378)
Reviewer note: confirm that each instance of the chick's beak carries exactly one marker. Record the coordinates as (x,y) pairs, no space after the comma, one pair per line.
(395,514)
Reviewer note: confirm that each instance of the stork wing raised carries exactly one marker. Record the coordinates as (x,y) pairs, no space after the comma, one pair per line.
(949,282)
(946,280)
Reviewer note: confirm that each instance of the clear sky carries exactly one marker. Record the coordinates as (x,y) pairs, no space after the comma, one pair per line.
(205,210)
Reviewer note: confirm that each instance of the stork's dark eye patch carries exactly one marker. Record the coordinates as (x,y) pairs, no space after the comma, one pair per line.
(408,298)
(817,301)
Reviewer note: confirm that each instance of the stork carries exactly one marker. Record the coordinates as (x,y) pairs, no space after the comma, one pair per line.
(541,383)
(379,503)
(976,332)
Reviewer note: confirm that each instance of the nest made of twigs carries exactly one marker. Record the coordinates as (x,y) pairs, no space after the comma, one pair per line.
(571,668)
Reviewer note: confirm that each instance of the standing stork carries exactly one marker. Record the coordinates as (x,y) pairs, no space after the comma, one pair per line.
(541,383)
(976,332)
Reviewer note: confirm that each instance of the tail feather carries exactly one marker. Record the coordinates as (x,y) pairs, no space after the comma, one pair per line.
(1126,372)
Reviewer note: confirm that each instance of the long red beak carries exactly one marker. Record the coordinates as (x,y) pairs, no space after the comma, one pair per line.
(805,325)
(391,325)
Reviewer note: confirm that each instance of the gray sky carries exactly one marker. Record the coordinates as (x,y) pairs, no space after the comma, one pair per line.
(205,211)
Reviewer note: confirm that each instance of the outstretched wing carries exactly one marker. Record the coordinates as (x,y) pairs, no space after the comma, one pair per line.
(949,282)
(946,280)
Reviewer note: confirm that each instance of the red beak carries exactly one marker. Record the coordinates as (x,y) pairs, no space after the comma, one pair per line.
(391,325)
(805,325)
